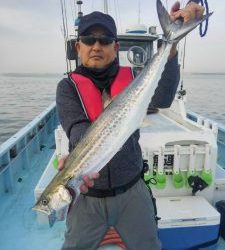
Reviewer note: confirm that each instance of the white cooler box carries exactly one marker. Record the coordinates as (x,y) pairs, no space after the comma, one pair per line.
(186,222)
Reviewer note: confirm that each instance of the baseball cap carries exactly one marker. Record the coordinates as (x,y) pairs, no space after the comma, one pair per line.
(97,18)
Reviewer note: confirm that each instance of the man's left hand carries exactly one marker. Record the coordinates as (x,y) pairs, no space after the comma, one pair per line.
(189,12)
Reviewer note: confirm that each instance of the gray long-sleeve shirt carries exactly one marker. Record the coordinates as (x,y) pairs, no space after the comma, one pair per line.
(127,163)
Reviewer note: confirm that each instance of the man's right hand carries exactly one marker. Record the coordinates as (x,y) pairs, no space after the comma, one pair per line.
(88,179)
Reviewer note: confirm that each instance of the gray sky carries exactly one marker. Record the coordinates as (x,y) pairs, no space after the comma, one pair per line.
(31,37)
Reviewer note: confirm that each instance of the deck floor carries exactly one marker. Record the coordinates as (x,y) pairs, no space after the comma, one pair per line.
(19,229)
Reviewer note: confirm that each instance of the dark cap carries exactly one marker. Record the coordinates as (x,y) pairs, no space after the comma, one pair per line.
(97,18)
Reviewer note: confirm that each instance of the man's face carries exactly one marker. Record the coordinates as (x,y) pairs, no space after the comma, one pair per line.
(97,55)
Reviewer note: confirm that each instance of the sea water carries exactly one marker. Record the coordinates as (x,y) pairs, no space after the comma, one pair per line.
(206,95)
(24,96)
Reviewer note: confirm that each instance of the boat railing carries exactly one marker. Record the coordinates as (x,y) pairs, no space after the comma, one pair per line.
(19,150)
(220,136)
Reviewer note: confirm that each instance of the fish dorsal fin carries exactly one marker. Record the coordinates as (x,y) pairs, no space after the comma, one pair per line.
(164,18)
(106,99)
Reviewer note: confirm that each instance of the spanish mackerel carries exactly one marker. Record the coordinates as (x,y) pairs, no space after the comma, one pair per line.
(104,138)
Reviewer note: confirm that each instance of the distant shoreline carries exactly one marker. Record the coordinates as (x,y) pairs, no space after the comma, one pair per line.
(12,74)
(32,74)
(204,73)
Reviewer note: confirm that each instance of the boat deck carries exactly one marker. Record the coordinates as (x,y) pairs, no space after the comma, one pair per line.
(17,218)
(19,229)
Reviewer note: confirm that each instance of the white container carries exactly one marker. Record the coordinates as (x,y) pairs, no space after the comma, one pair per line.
(197,152)
(186,222)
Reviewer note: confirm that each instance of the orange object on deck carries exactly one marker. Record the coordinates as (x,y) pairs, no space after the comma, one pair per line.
(112,237)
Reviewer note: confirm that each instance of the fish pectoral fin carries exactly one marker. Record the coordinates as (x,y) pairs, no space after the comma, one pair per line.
(73,187)
(77,193)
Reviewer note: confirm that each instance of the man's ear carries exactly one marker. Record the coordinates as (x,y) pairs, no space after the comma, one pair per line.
(117,47)
(77,47)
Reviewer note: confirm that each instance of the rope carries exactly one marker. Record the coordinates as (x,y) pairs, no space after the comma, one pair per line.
(116,14)
(72,10)
(65,32)
(202,32)
(66,26)
(182,91)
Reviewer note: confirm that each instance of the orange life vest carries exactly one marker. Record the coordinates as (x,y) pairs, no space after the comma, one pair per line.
(91,96)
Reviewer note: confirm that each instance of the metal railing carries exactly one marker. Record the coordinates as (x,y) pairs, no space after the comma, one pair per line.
(19,150)
(220,137)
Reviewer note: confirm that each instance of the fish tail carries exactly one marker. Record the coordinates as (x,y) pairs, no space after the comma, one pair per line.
(174,31)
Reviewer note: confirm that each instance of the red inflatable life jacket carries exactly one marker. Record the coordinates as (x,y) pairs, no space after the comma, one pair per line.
(90,95)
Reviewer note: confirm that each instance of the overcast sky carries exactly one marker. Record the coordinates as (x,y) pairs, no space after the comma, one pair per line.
(31,38)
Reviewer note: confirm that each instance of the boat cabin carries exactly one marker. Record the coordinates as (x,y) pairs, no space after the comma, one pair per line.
(136,49)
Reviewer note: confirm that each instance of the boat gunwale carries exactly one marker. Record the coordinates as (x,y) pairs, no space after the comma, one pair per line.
(22,140)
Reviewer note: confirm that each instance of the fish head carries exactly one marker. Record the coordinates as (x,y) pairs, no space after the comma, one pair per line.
(54,204)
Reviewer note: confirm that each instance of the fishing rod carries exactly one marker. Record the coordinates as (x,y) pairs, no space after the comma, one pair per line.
(204,3)
(65,32)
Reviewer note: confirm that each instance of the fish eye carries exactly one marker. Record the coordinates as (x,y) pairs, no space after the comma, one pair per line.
(44,202)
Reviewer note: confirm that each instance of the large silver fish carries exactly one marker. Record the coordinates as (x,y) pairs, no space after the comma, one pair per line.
(120,119)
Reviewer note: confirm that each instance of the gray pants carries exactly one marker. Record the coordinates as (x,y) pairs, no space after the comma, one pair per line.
(130,213)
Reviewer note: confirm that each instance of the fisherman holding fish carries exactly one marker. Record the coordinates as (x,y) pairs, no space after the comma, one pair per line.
(115,205)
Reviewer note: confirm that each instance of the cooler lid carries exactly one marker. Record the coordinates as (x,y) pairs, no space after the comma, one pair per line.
(186,211)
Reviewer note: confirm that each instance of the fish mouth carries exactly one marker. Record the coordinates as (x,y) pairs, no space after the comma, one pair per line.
(50,216)
(54,207)
(46,211)
(53,215)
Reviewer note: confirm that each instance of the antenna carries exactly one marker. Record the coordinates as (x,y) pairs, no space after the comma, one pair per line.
(106,11)
(80,13)
(139,12)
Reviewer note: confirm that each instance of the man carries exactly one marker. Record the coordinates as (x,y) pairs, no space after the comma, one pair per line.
(117,197)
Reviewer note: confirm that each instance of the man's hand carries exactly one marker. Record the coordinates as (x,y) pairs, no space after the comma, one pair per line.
(88,179)
(189,12)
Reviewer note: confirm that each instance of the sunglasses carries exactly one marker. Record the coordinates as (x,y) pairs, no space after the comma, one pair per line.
(91,40)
